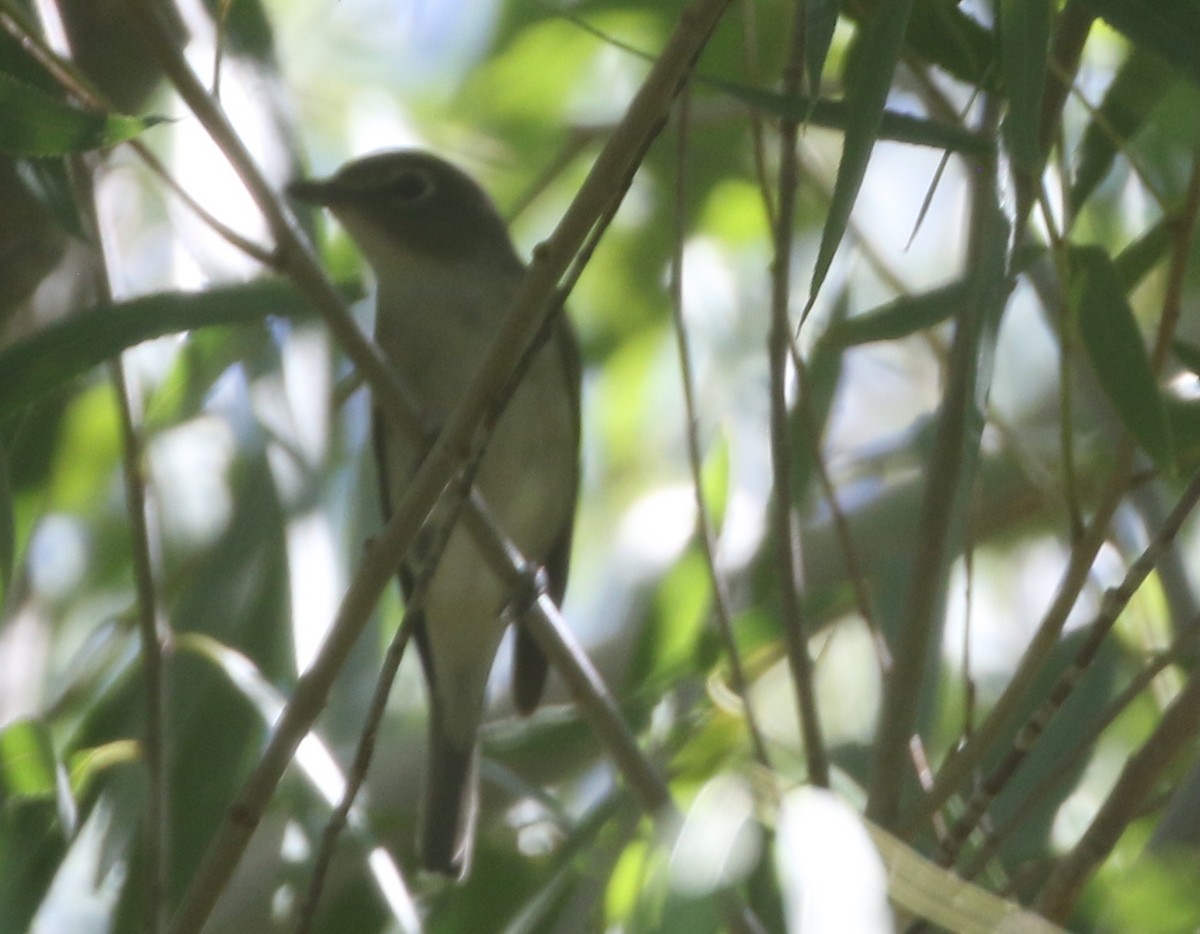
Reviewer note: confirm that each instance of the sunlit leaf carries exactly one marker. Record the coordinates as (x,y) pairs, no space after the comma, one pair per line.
(87,765)
(715,480)
(33,123)
(671,647)
(27,762)
(930,891)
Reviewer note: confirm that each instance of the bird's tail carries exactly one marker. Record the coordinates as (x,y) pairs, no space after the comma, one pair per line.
(447,832)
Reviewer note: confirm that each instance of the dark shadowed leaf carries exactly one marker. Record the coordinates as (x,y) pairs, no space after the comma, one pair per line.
(822,18)
(1127,105)
(837,115)
(901,317)
(1168,28)
(54,356)
(1024,39)
(1114,345)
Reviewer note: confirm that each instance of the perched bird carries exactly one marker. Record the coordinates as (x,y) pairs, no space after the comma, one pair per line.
(446,271)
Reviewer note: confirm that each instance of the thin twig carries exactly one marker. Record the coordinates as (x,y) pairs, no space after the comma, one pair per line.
(841,525)
(1066,382)
(949,477)
(956,771)
(76,84)
(155,839)
(524,317)
(414,604)
(795,630)
(1115,601)
(1026,808)
(459,494)
(155,821)
(757,134)
(1184,229)
(705,532)
(1176,731)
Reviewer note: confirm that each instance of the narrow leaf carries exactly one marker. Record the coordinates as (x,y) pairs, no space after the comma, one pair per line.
(1184,418)
(901,317)
(1168,28)
(1113,343)
(1129,101)
(61,352)
(836,115)
(943,35)
(822,19)
(1188,354)
(1024,41)
(1144,253)
(867,90)
(34,123)
(27,763)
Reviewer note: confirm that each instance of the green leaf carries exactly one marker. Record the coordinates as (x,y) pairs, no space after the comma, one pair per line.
(953,40)
(902,317)
(1144,253)
(1184,417)
(61,352)
(926,890)
(837,115)
(34,123)
(245,27)
(1188,354)
(1024,41)
(31,849)
(1114,345)
(714,480)
(822,17)
(943,35)
(49,183)
(866,93)
(1127,105)
(673,644)
(1168,28)
(27,763)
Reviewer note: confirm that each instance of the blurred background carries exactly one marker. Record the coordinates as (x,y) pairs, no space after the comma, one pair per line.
(260,492)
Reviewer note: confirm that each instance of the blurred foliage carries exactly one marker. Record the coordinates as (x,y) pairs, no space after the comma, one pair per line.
(1081,339)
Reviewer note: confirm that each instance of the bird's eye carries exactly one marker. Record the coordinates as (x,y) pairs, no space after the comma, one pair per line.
(411,186)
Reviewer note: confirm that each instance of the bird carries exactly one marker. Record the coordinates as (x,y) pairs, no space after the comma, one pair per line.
(445,270)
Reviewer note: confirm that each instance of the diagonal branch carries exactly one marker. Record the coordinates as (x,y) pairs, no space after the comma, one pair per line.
(526,315)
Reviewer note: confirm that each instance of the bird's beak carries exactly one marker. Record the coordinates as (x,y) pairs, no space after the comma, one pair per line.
(325,192)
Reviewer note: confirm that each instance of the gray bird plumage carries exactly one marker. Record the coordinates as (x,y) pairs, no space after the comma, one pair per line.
(446,271)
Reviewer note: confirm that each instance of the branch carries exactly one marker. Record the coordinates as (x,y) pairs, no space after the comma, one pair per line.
(525,316)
